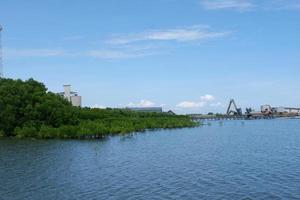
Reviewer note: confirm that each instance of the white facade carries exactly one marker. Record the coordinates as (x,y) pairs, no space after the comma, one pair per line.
(280,110)
(71,96)
(67,92)
(266,109)
(76,100)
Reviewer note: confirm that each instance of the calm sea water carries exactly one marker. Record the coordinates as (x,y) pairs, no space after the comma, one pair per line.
(233,160)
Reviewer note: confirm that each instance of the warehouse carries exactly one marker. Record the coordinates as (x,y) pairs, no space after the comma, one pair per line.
(146,109)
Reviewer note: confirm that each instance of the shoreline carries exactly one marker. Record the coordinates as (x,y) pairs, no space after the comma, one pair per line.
(99,136)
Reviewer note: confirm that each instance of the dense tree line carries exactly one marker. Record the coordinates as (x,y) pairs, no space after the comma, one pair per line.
(27,109)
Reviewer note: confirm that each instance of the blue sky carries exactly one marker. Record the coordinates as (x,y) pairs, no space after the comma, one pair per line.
(190,56)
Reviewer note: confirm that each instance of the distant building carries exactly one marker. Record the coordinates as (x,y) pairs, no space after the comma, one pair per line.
(170,112)
(279,110)
(71,96)
(146,109)
(266,109)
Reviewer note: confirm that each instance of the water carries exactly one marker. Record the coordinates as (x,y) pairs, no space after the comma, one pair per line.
(230,160)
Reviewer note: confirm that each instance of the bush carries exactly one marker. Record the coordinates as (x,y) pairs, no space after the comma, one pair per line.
(27,109)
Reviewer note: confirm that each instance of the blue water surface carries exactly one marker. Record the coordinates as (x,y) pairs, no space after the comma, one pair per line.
(222,160)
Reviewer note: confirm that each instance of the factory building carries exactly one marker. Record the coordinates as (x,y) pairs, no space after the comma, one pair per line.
(71,96)
(279,110)
(266,109)
(146,109)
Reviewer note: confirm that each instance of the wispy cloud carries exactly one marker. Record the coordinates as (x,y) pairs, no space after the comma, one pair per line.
(129,45)
(108,54)
(142,103)
(241,5)
(191,104)
(15,53)
(217,104)
(188,34)
(283,5)
(98,106)
(205,100)
(249,5)
(113,54)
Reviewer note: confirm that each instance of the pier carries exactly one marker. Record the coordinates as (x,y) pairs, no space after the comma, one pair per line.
(242,117)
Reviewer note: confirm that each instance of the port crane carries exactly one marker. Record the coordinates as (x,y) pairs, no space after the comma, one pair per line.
(233,109)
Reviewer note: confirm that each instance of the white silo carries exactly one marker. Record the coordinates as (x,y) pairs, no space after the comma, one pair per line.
(67,92)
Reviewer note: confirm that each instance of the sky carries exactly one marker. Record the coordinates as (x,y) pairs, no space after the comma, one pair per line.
(190,56)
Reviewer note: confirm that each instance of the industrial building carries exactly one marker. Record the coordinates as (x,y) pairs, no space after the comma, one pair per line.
(278,110)
(71,96)
(146,109)
(266,109)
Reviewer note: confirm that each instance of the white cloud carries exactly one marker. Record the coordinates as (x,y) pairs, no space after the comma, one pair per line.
(207,98)
(217,104)
(142,103)
(13,53)
(100,54)
(204,101)
(127,46)
(240,5)
(284,5)
(246,5)
(112,54)
(98,106)
(193,33)
(191,104)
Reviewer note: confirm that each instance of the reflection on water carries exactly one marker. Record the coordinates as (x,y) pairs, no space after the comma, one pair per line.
(225,160)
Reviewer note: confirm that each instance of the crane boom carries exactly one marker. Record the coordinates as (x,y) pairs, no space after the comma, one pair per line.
(235,110)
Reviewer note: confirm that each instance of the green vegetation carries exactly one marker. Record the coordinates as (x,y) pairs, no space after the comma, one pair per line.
(28,110)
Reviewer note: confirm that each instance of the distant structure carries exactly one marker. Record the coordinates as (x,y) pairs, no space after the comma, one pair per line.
(1,59)
(233,109)
(146,109)
(71,96)
(267,109)
(170,112)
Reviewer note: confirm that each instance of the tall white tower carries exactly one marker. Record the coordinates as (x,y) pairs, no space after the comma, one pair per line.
(67,92)
(1,60)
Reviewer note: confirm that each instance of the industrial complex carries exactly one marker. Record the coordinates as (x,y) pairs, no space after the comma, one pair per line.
(266,112)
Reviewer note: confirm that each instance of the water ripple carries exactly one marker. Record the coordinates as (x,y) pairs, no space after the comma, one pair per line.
(253,160)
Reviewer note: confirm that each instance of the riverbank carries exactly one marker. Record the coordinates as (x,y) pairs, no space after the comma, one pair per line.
(28,110)
(100,128)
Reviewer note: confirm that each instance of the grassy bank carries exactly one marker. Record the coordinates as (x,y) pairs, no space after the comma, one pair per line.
(27,109)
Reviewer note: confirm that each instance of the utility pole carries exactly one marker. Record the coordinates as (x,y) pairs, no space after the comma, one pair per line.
(1,58)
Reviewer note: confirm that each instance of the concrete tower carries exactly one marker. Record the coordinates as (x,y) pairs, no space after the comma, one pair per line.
(71,96)
(67,92)
(1,59)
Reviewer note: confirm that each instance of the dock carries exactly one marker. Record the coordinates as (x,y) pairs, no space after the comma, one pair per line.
(235,113)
